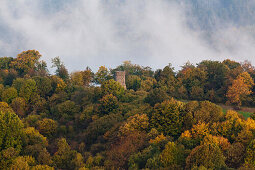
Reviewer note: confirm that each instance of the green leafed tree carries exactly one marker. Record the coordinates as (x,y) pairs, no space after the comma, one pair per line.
(43,85)
(61,70)
(5,62)
(9,94)
(11,130)
(167,117)
(112,87)
(108,103)
(65,157)
(133,82)
(102,75)
(250,154)
(208,155)
(172,156)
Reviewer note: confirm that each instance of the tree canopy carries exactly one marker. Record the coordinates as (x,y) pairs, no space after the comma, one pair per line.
(164,119)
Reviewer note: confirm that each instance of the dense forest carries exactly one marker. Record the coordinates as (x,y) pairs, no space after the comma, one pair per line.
(211,14)
(164,119)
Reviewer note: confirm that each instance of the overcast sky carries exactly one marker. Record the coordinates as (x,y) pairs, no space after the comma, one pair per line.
(107,32)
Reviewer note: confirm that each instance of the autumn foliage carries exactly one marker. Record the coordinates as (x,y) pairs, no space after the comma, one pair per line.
(165,119)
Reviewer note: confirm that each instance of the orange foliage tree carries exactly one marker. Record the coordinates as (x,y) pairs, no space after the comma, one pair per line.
(240,87)
(26,61)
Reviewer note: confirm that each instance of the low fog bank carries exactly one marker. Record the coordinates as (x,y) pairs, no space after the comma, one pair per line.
(147,32)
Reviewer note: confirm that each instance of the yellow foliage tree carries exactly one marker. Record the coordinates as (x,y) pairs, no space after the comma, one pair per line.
(222,142)
(158,139)
(231,126)
(200,130)
(41,167)
(77,78)
(4,107)
(58,84)
(186,134)
(34,137)
(23,162)
(136,122)
(47,126)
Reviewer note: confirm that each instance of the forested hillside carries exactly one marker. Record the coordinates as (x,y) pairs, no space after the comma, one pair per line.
(211,15)
(165,119)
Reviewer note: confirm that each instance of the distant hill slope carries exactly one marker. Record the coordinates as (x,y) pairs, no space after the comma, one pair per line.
(210,14)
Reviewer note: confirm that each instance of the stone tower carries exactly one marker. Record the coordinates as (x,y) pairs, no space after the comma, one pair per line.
(120,77)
